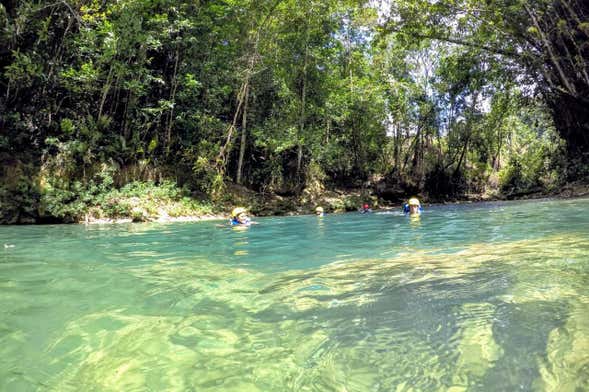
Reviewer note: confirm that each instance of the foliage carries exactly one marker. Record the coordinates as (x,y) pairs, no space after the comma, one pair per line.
(99,199)
(107,101)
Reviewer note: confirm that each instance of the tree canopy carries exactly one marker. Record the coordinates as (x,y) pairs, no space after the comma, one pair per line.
(443,98)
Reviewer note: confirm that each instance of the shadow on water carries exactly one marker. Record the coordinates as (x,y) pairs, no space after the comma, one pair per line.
(487,325)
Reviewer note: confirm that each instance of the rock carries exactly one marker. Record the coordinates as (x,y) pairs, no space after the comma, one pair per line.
(26,220)
(139,215)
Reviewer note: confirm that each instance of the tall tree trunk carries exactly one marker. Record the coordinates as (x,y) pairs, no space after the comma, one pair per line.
(468,136)
(397,148)
(221,161)
(302,114)
(416,153)
(223,156)
(496,161)
(126,115)
(172,98)
(243,136)
(105,91)
(462,155)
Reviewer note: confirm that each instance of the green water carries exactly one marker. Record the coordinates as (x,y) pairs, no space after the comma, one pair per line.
(488,297)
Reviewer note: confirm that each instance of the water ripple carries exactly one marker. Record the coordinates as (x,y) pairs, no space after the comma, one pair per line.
(491,297)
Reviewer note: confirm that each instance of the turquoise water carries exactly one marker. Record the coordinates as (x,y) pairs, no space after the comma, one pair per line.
(485,297)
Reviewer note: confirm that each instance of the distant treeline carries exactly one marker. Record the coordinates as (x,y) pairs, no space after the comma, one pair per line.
(441,98)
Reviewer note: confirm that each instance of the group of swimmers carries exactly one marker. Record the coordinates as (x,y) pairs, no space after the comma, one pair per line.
(239,215)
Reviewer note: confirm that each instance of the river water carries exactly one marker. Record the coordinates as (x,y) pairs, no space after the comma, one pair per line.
(485,297)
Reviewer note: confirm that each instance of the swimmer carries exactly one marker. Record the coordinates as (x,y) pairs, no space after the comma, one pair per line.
(412,207)
(365,209)
(319,211)
(239,217)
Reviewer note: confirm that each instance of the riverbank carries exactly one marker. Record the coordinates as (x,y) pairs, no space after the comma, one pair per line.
(146,201)
(333,201)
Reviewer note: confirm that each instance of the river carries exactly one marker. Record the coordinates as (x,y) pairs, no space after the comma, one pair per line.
(481,297)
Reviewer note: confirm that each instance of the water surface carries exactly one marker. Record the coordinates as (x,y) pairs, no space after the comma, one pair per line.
(484,297)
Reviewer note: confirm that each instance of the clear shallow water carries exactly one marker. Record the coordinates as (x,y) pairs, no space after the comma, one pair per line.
(483,297)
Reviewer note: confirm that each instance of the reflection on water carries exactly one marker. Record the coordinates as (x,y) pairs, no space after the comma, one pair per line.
(415,220)
(502,313)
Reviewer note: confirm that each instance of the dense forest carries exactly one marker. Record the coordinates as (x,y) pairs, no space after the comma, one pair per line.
(104,101)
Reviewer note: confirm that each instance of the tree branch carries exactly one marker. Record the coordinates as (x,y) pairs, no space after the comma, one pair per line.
(457,41)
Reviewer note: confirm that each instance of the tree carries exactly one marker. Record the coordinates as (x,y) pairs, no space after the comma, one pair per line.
(540,42)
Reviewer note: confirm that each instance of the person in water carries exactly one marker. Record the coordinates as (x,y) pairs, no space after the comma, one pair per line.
(412,207)
(319,211)
(239,217)
(365,209)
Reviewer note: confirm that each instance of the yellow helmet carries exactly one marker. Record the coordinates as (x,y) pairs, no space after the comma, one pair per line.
(238,210)
(414,202)
(319,209)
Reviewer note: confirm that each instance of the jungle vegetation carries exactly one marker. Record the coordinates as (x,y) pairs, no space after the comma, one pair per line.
(101,99)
